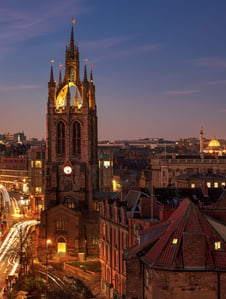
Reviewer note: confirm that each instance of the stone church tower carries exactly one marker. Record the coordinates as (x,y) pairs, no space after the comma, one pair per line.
(71,168)
(71,161)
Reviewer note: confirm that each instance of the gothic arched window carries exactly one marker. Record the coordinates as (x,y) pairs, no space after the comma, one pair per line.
(70,202)
(60,224)
(76,138)
(60,149)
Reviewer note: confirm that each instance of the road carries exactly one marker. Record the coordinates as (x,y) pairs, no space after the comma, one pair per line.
(64,286)
(10,249)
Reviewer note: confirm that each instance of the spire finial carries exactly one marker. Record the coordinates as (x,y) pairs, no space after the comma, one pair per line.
(60,75)
(72,35)
(91,73)
(85,72)
(51,71)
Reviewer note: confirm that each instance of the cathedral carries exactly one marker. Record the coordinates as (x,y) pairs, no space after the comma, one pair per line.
(68,223)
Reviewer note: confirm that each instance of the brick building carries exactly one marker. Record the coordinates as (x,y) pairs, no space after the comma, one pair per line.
(105,157)
(71,168)
(14,174)
(121,218)
(36,158)
(183,257)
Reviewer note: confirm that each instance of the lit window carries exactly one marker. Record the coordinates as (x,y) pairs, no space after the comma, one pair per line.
(25,188)
(223,183)
(38,164)
(208,184)
(175,241)
(217,245)
(32,164)
(107,164)
(192,185)
(215,184)
(38,189)
(61,247)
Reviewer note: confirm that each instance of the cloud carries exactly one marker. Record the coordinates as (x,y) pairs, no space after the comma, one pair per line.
(16,87)
(181,92)
(216,82)
(22,24)
(214,62)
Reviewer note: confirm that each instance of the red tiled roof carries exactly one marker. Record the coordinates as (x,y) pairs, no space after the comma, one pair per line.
(186,219)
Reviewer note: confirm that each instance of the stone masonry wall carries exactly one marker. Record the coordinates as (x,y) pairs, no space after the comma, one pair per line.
(184,285)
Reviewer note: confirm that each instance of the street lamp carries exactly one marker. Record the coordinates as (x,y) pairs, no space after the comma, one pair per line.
(48,241)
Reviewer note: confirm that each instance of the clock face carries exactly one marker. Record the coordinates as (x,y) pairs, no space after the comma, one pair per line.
(67,169)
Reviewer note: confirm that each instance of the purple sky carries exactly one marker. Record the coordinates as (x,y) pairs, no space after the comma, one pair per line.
(159,66)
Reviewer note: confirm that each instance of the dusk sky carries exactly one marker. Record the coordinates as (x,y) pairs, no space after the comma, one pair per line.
(159,66)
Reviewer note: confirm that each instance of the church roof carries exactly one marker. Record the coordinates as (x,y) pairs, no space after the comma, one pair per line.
(173,248)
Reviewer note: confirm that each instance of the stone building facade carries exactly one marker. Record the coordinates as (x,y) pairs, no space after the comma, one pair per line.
(164,171)
(105,157)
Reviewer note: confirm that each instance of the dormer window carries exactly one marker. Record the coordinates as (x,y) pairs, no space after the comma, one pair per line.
(217,245)
(208,184)
(175,241)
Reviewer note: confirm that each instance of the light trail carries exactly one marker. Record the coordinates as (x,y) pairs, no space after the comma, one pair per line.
(10,248)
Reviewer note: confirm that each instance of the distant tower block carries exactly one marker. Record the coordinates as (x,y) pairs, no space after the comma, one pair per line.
(201,140)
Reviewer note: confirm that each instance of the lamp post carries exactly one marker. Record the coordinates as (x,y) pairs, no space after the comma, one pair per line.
(48,241)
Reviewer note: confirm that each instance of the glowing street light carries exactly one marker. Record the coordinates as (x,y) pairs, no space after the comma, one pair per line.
(48,242)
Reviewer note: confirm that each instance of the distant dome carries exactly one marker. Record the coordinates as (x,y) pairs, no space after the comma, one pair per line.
(214,143)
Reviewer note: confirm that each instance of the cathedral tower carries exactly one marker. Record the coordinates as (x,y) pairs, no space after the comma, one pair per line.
(71,156)
(71,168)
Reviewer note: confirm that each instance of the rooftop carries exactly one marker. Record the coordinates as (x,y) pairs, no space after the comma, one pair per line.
(168,245)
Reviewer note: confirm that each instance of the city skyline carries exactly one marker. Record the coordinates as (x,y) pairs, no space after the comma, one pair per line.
(159,71)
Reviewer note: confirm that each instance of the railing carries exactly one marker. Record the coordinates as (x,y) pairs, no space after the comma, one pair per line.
(187,161)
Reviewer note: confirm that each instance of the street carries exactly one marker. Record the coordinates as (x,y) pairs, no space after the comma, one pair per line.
(10,249)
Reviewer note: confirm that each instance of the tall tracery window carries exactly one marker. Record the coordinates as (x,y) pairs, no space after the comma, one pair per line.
(60,224)
(60,138)
(76,135)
